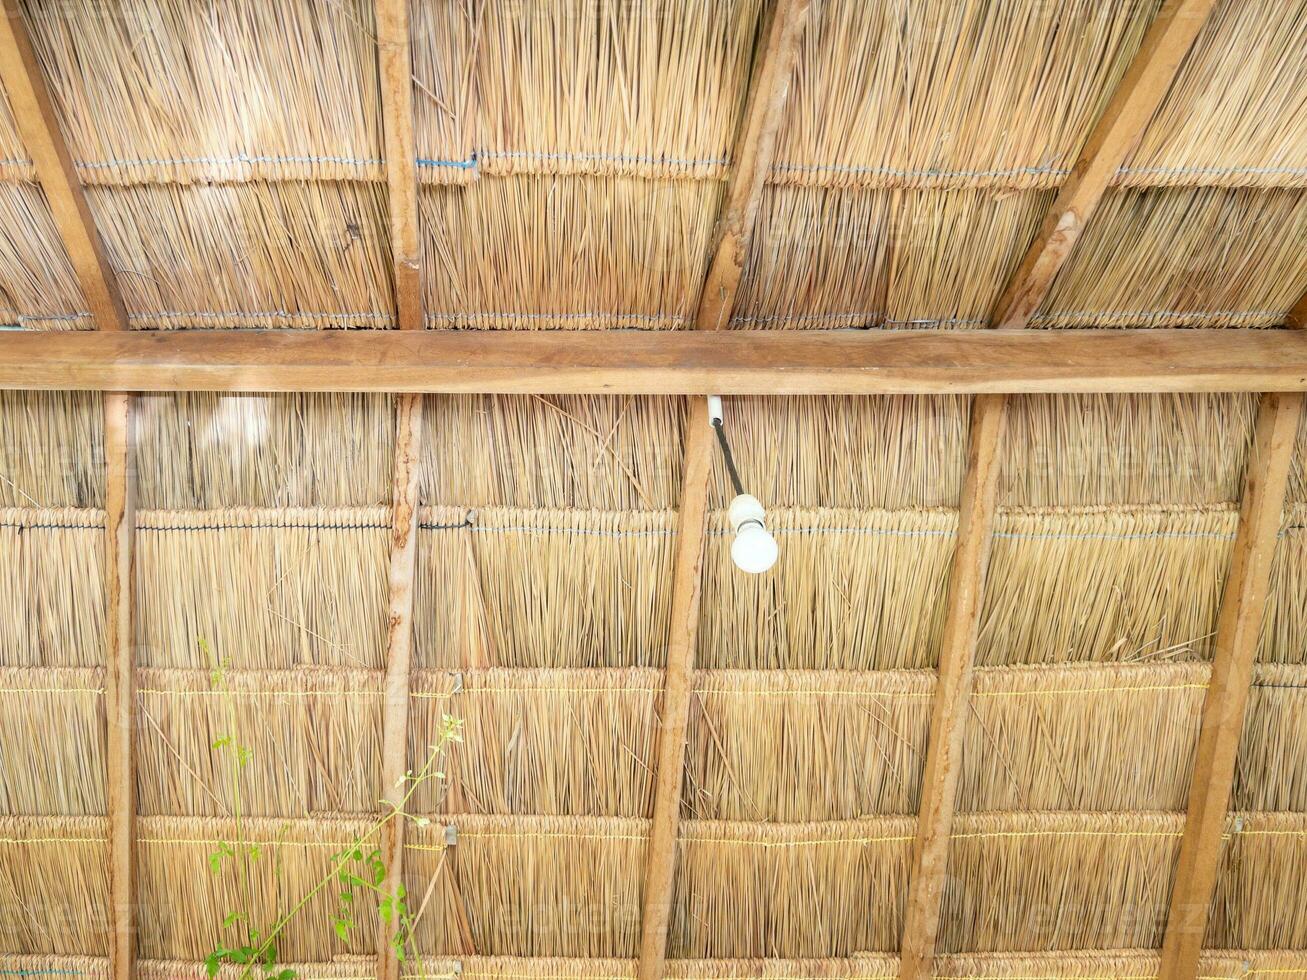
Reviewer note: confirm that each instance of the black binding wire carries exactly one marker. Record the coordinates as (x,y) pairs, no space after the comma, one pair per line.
(730,460)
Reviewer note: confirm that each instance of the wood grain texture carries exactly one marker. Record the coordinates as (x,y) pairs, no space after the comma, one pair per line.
(1136,98)
(395,63)
(34,113)
(399,657)
(755,151)
(674,710)
(120,681)
(725,362)
(953,691)
(1235,653)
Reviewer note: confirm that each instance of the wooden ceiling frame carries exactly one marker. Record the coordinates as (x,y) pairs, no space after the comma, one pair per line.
(726,362)
(1117,131)
(755,152)
(38,125)
(395,65)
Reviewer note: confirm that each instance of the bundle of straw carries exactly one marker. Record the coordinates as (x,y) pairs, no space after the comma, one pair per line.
(51,449)
(52,730)
(253,90)
(552,742)
(263,589)
(581,452)
(1272,770)
(57,885)
(289,254)
(200,450)
(654,88)
(1258,902)
(572,252)
(829,258)
(1284,626)
(38,289)
(1105,584)
(893,452)
(185,901)
(516,588)
(530,886)
(790,890)
(14,163)
(1082,737)
(1182,257)
(946,94)
(855,590)
(1051,881)
(779,745)
(314,735)
(1085,450)
(51,584)
(1238,106)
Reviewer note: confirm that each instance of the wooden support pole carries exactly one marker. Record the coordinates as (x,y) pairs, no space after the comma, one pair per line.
(120,679)
(754,154)
(953,690)
(1137,97)
(399,656)
(395,64)
(1237,635)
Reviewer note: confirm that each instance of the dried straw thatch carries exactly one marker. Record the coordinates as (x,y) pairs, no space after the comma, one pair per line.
(573,157)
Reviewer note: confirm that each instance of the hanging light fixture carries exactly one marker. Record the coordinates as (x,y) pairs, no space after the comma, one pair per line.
(754,549)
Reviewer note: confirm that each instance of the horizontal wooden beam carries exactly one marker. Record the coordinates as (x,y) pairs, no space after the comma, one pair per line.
(671,363)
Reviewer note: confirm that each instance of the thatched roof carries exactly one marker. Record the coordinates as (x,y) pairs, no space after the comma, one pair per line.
(572,160)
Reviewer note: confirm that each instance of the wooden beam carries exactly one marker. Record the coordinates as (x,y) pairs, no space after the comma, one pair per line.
(120,680)
(34,113)
(727,362)
(399,656)
(674,710)
(755,152)
(1237,634)
(1137,97)
(395,62)
(953,690)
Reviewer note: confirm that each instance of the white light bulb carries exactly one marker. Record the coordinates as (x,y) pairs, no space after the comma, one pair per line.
(754,549)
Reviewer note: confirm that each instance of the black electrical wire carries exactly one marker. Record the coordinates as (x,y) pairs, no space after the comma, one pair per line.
(730,460)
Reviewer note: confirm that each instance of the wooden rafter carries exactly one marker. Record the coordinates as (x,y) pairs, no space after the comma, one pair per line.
(34,113)
(953,690)
(1297,318)
(1238,632)
(33,110)
(1118,130)
(688,362)
(395,63)
(754,153)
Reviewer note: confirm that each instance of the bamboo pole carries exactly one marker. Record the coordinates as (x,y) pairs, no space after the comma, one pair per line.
(754,155)
(1118,130)
(953,691)
(395,63)
(34,113)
